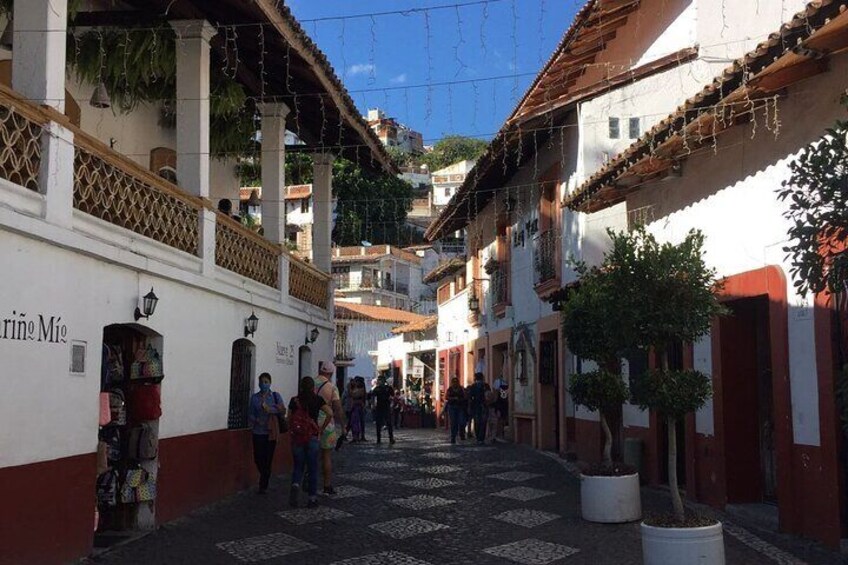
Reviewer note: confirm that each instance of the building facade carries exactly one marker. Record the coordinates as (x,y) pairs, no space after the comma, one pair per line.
(565,168)
(379,275)
(359,330)
(394,134)
(132,305)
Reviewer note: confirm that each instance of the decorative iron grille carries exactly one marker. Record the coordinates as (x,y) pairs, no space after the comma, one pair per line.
(241,252)
(500,284)
(545,256)
(240,377)
(20,148)
(115,195)
(307,285)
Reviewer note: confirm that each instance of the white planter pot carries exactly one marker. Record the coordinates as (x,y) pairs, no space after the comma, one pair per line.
(674,546)
(610,500)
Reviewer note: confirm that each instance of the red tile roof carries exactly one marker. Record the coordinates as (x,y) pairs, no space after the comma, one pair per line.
(368,313)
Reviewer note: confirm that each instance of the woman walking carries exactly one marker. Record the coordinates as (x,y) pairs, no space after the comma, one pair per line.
(456,408)
(266,407)
(303,427)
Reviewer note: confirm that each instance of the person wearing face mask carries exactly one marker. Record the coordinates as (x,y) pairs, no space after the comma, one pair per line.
(263,420)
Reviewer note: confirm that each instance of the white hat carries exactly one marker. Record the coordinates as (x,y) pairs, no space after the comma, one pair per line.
(327,368)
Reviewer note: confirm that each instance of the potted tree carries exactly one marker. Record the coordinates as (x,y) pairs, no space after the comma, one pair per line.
(672,295)
(594,329)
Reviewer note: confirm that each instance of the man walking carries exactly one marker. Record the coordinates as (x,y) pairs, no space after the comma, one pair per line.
(477,406)
(382,395)
(325,388)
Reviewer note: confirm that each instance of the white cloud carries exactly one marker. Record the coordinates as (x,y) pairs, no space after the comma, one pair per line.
(400,79)
(362,69)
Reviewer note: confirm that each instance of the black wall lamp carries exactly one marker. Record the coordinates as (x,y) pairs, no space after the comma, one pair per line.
(250,325)
(313,335)
(149,302)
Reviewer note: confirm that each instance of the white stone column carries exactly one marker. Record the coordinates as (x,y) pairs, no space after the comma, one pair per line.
(56,176)
(38,64)
(322,215)
(193,71)
(274,171)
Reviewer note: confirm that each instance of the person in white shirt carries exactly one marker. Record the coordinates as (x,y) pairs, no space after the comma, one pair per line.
(480,366)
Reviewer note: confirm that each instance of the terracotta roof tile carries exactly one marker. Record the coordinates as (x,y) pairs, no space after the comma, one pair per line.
(427,323)
(756,75)
(369,313)
(445,269)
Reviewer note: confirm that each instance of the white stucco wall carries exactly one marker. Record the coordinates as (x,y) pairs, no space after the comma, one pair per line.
(362,339)
(46,413)
(731,197)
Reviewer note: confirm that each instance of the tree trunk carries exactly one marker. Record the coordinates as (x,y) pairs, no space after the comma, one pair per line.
(676,501)
(607,441)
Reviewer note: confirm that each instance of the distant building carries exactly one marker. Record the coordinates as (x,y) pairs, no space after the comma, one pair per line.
(394,134)
(446,181)
(299,214)
(378,275)
(359,329)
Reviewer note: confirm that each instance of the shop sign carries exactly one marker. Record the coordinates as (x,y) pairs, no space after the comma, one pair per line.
(41,328)
(417,368)
(285,354)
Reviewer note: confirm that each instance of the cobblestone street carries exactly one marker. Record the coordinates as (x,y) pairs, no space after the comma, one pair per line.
(419,502)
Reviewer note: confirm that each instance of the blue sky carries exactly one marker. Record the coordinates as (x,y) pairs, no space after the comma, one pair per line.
(387,56)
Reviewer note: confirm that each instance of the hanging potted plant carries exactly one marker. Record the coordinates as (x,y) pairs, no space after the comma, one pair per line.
(491,266)
(672,295)
(595,330)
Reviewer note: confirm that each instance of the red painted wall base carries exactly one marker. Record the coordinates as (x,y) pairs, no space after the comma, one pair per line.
(47,510)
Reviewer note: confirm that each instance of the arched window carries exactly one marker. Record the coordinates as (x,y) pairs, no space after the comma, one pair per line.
(304,362)
(241,379)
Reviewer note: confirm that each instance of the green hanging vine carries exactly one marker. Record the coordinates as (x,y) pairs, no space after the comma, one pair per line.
(139,67)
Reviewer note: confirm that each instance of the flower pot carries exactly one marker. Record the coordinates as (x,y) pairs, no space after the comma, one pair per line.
(672,546)
(610,500)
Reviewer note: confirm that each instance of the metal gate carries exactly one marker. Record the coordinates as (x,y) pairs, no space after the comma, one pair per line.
(241,377)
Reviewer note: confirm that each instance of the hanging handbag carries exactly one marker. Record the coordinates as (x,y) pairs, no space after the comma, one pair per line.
(153,362)
(282,422)
(146,491)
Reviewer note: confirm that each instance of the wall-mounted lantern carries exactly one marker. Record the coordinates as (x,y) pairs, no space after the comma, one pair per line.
(149,302)
(312,337)
(250,325)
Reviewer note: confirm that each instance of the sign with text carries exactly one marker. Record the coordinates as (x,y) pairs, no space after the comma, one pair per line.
(40,328)
(285,354)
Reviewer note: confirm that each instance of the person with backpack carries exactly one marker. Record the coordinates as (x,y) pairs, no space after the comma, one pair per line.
(305,433)
(264,416)
(456,407)
(477,406)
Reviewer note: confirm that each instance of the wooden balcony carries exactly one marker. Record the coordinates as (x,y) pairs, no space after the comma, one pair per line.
(115,189)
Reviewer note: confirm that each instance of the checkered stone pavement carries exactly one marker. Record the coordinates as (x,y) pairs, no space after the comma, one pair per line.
(311,515)
(515,476)
(385,558)
(429,483)
(439,469)
(403,528)
(523,493)
(261,548)
(525,517)
(532,552)
(424,501)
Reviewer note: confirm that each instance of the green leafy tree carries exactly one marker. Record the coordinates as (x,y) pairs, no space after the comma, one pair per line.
(453,148)
(817,194)
(670,298)
(593,328)
(369,206)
